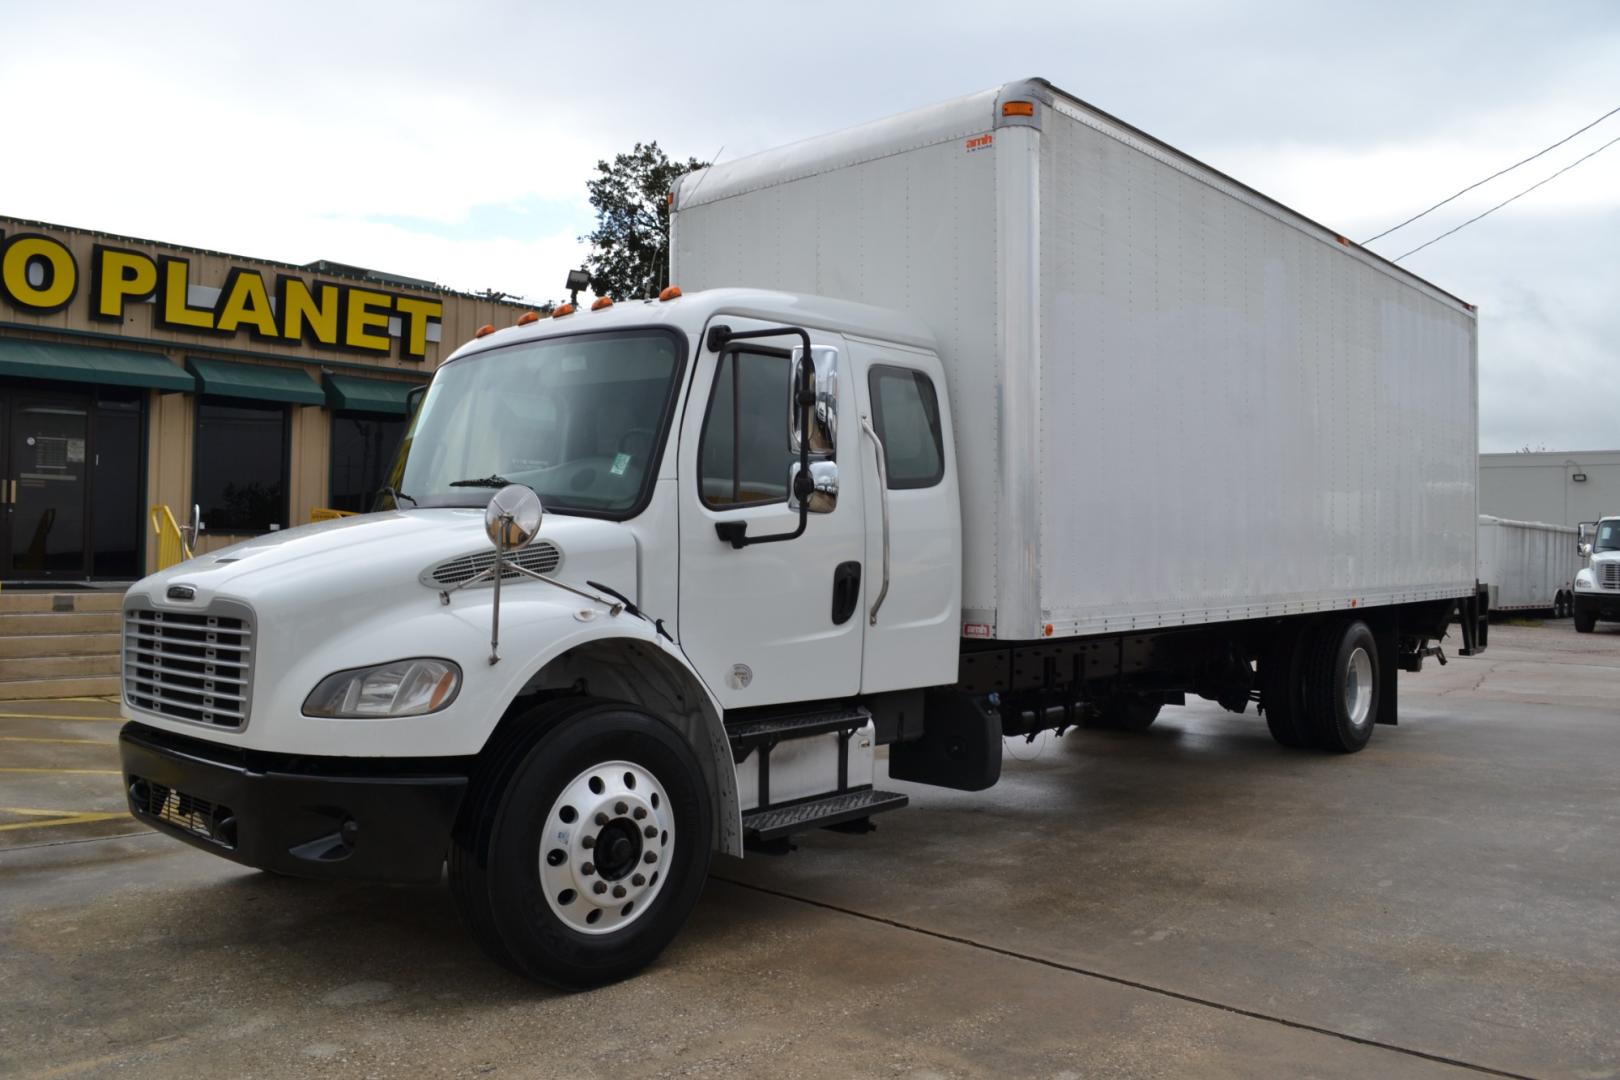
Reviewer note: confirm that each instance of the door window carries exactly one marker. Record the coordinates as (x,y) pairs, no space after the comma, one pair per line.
(905,413)
(745,449)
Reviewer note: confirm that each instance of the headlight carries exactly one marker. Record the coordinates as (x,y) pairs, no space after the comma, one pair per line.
(402,688)
(1584,583)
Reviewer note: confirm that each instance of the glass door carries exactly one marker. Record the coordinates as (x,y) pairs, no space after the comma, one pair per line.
(46,439)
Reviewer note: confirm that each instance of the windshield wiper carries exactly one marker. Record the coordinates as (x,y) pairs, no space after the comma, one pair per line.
(396,495)
(494,480)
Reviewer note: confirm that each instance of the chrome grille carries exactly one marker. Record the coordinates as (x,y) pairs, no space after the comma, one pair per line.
(540,558)
(1611,575)
(195,666)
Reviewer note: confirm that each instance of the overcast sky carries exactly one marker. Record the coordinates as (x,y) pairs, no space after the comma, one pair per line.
(452,142)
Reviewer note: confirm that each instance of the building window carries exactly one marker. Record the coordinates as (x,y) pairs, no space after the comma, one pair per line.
(745,450)
(905,414)
(363,446)
(240,479)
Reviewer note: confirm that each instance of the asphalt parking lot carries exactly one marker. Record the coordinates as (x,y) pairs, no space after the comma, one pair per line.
(1190,901)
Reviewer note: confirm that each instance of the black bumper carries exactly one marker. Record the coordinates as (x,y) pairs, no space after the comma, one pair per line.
(304,816)
(1605,606)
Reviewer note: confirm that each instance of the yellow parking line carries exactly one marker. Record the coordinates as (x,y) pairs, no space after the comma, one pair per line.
(70,742)
(60,716)
(74,772)
(69,819)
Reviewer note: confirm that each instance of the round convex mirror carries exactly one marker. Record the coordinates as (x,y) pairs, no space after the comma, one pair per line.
(514,511)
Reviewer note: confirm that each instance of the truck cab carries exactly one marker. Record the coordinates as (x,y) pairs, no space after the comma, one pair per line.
(1597,584)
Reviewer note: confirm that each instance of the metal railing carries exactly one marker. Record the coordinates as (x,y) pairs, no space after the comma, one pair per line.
(174,545)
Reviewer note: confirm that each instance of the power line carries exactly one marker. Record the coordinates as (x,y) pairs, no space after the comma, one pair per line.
(1491,177)
(1504,202)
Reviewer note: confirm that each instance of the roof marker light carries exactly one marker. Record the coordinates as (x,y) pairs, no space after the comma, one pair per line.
(565,309)
(528,317)
(671,292)
(601,302)
(1018,108)
(487,328)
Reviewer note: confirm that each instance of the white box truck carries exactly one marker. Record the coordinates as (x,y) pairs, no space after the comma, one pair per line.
(1528,565)
(993,417)
(1597,584)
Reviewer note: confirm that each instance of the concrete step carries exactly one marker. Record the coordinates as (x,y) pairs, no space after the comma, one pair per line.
(29,623)
(37,601)
(20,645)
(56,667)
(69,686)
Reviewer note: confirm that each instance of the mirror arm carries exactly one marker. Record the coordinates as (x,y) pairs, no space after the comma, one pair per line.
(719,339)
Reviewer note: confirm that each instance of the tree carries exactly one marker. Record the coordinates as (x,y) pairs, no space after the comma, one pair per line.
(630,246)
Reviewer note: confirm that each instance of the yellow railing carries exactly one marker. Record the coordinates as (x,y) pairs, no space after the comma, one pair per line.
(321,513)
(172,546)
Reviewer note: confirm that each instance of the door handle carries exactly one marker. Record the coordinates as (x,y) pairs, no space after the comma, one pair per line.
(846,591)
(883,500)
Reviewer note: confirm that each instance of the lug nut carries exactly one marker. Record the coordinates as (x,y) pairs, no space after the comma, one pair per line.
(650,831)
(588,869)
(637,880)
(618,892)
(640,812)
(621,809)
(599,888)
(650,857)
(588,843)
(602,819)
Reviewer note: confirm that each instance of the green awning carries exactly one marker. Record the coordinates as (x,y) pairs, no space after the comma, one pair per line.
(353,394)
(256,382)
(89,364)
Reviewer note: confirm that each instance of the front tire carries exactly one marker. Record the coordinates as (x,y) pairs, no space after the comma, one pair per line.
(585,845)
(1342,687)
(1585,621)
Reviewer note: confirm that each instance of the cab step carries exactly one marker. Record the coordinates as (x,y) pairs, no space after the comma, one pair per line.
(769,729)
(774,823)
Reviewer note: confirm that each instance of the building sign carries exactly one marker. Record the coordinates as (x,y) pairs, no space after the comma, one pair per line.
(39,275)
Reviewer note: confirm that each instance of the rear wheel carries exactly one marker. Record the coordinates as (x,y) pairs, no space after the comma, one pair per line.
(580,861)
(1282,698)
(1341,687)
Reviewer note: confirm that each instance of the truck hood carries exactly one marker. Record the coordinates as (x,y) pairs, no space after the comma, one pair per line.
(369,554)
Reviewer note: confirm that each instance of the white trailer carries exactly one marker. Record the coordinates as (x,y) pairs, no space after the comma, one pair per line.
(991,418)
(1528,565)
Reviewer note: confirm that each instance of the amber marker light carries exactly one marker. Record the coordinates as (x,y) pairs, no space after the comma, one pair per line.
(601,303)
(566,309)
(487,328)
(528,317)
(671,292)
(1018,108)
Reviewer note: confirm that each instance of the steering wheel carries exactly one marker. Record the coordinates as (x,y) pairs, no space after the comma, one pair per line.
(647,434)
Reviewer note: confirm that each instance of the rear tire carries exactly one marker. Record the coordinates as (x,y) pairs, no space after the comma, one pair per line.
(521,815)
(1282,698)
(1341,687)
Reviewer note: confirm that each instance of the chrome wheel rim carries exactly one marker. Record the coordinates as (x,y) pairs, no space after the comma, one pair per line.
(1358,688)
(605,846)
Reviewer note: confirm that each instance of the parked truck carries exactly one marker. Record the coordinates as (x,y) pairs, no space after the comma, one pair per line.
(1527,565)
(1597,584)
(991,418)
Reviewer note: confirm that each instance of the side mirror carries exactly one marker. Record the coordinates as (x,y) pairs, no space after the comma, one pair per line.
(824,489)
(824,416)
(512,517)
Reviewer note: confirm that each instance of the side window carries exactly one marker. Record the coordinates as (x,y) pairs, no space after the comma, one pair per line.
(905,413)
(744,453)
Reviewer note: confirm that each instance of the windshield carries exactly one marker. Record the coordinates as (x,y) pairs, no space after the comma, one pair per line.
(578,419)
(1608,536)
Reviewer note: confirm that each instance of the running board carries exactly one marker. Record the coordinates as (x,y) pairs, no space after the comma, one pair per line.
(774,823)
(767,731)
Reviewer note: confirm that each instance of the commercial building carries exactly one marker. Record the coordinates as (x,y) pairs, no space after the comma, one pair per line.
(1563,487)
(135,374)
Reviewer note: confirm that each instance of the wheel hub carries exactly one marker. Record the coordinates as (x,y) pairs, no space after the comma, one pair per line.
(604,847)
(1358,688)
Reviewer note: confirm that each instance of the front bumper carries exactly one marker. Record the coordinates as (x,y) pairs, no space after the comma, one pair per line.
(374,820)
(1605,605)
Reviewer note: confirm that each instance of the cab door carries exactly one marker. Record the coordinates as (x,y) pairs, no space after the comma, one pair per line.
(913,609)
(774,620)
